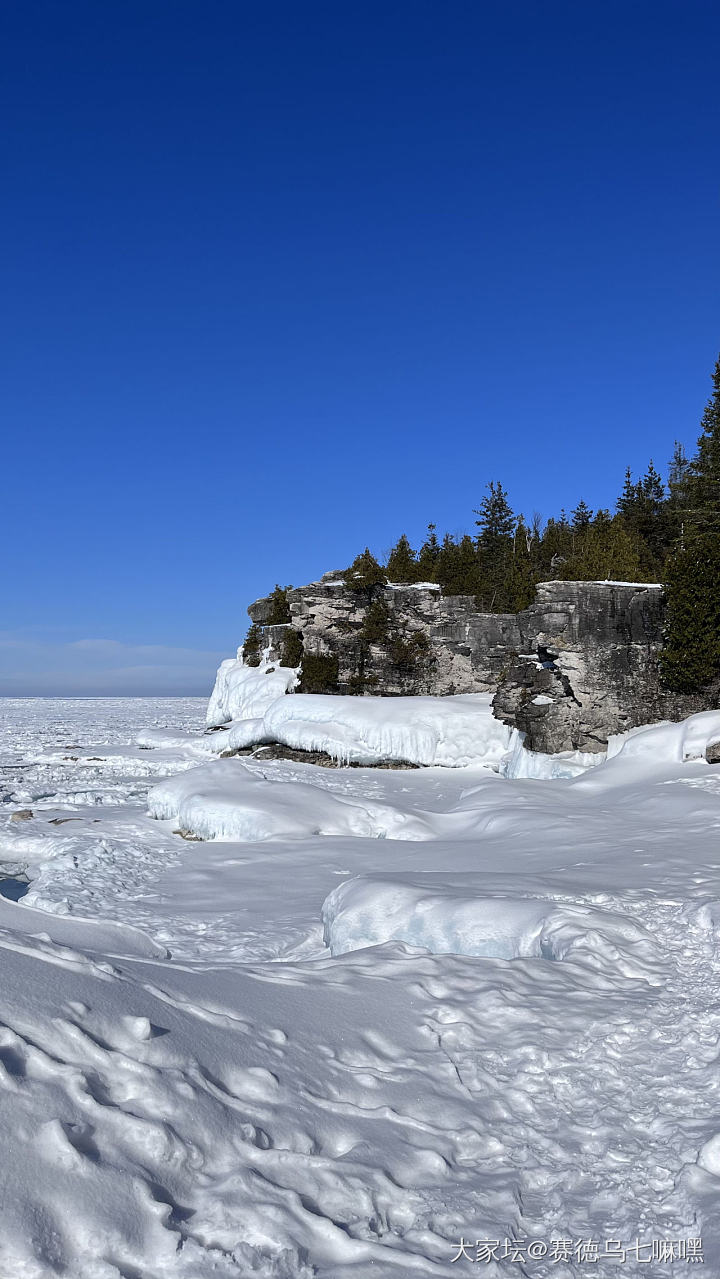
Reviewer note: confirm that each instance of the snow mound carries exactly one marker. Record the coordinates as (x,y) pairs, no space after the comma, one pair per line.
(228,800)
(667,742)
(448,731)
(238,735)
(245,692)
(369,910)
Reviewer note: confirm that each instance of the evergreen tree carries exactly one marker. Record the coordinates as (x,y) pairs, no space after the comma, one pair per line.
(496,522)
(677,509)
(678,474)
(521,577)
(457,566)
(691,657)
(279,606)
(608,553)
(555,546)
(704,470)
(428,557)
(252,648)
(365,573)
(627,500)
(653,489)
(402,565)
(581,517)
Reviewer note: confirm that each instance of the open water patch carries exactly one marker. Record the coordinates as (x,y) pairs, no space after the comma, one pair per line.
(12,888)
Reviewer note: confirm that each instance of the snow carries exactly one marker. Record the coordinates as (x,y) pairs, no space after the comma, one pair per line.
(365,911)
(521,763)
(607,581)
(448,731)
(372,1012)
(644,586)
(245,692)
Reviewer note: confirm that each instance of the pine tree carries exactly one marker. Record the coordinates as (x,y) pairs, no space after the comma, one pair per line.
(653,488)
(627,501)
(279,606)
(428,557)
(691,656)
(402,565)
(704,470)
(496,523)
(365,573)
(252,647)
(556,546)
(678,470)
(581,517)
(608,553)
(520,584)
(457,566)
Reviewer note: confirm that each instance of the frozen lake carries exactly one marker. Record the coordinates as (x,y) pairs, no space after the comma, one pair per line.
(328,1040)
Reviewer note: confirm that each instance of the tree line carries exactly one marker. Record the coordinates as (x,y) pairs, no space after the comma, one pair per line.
(660,531)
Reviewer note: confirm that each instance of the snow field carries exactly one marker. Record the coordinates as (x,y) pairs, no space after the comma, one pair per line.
(511,1025)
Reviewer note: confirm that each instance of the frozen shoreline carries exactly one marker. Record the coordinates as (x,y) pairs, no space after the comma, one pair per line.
(251,1105)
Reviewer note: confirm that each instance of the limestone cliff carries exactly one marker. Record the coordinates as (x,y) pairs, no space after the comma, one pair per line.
(578,665)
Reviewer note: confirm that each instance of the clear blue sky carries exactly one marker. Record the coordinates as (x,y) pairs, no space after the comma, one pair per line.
(280,280)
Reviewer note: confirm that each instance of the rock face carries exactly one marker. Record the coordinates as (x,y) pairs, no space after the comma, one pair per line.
(401,640)
(578,665)
(590,666)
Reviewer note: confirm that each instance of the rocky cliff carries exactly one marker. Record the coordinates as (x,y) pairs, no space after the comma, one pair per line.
(578,665)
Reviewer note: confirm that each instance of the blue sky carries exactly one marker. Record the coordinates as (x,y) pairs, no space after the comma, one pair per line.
(282,280)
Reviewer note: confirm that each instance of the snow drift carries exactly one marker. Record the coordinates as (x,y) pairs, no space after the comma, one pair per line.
(368,910)
(448,731)
(229,800)
(245,692)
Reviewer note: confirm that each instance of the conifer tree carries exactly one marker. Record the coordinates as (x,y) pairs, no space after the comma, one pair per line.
(581,517)
(279,606)
(691,657)
(428,557)
(457,566)
(678,470)
(608,553)
(555,547)
(520,586)
(627,500)
(365,573)
(704,470)
(402,565)
(496,523)
(252,648)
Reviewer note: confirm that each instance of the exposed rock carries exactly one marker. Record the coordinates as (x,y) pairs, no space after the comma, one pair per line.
(22,815)
(431,643)
(590,668)
(578,665)
(712,754)
(277,750)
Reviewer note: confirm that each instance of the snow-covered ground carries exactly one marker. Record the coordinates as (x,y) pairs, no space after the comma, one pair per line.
(356,1021)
